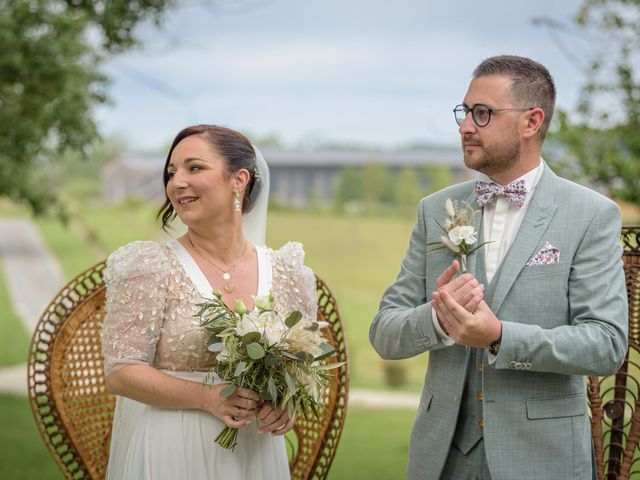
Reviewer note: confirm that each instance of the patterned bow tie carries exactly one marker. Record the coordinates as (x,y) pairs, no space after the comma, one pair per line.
(515,192)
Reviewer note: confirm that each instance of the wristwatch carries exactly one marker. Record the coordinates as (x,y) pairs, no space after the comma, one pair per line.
(494,348)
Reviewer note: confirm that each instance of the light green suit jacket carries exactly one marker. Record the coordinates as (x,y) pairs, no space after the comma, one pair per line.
(560,322)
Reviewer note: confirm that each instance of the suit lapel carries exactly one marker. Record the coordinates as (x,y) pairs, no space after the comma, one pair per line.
(539,213)
(475,261)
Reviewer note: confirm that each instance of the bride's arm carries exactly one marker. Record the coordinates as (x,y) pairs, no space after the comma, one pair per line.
(148,385)
(136,279)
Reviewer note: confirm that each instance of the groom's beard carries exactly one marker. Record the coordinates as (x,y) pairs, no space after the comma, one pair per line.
(491,159)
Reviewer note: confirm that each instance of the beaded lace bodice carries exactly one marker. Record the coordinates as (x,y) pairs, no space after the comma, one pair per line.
(151,302)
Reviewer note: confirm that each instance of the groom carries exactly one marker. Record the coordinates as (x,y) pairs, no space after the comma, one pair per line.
(542,305)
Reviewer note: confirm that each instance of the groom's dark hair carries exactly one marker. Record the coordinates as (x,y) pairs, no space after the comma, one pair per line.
(531,83)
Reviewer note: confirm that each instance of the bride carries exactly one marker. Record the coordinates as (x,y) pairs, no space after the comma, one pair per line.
(155,353)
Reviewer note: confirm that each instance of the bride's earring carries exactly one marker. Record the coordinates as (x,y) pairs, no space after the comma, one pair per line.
(237,205)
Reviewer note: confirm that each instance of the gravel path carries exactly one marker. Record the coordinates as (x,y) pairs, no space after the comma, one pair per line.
(33,277)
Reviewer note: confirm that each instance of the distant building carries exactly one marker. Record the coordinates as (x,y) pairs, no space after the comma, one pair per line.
(295,175)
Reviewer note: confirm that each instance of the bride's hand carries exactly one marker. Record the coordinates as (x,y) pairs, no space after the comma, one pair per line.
(236,410)
(274,420)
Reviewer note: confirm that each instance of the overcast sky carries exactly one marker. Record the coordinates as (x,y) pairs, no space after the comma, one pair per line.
(379,72)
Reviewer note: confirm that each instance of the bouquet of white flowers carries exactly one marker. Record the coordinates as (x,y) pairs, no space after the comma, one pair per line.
(281,357)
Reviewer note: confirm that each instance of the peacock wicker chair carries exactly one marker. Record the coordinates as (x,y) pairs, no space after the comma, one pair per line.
(614,400)
(73,409)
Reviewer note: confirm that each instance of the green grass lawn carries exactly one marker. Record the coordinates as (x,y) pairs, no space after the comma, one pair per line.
(374,445)
(13,336)
(72,251)
(358,257)
(23,454)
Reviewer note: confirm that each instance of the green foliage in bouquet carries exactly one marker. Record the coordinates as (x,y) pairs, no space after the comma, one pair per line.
(281,357)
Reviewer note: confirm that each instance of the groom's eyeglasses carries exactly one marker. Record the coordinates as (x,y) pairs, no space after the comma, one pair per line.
(480,113)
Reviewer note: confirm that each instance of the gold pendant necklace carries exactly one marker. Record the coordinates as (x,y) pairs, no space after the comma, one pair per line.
(226,274)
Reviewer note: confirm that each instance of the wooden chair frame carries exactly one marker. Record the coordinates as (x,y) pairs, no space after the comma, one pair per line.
(614,400)
(73,409)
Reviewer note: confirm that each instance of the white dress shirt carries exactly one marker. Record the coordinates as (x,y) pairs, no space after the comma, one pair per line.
(500,224)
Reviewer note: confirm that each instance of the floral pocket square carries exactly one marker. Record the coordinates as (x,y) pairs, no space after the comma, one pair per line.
(547,255)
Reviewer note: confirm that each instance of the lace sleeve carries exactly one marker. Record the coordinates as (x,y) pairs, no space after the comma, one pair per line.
(294,283)
(136,281)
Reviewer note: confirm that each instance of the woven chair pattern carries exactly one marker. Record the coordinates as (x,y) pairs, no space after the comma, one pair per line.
(317,439)
(614,400)
(73,409)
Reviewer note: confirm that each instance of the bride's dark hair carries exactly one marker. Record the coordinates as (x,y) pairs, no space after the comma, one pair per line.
(233,147)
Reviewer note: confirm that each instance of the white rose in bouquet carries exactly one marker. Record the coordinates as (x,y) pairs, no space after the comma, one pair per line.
(266,323)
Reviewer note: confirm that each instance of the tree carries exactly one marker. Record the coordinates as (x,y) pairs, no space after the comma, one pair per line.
(602,141)
(408,191)
(349,186)
(375,180)
(50,81)
(438,177)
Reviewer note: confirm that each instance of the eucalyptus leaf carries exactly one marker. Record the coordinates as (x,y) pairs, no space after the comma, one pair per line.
(290,383)
(250,337)
(290,355)
(264,393)
(305,357)
(228,390)
(322,356)
(240,368)
(331,366)
(271,388)
(303,407)
(327,350)
(255,351)
(293,318)
(271,360)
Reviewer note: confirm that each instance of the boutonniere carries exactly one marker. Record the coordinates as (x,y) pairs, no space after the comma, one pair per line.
(459,231)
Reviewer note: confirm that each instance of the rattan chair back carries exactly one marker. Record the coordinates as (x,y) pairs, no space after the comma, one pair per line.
(73,409)
(614,400)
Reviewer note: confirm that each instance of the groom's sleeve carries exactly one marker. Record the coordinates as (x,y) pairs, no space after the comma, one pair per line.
(404,327)
(594,341)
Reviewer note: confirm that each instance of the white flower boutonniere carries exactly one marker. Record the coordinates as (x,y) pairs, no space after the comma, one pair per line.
(459,231)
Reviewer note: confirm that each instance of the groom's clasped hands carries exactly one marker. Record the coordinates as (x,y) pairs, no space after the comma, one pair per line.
(461,310)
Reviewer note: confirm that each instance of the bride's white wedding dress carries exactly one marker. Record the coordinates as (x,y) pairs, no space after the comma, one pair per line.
(152,292)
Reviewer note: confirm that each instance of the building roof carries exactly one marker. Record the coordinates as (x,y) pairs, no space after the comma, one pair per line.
(356,158)
(331,158)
